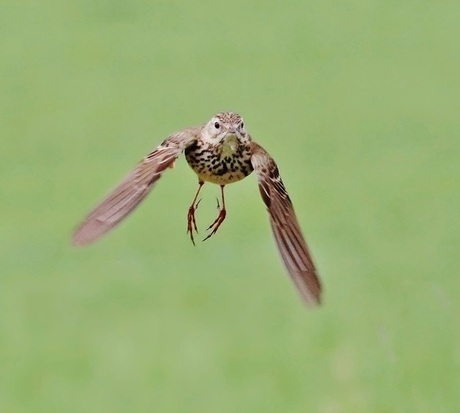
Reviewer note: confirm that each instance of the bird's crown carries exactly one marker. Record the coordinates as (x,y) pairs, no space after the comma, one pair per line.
(229,118)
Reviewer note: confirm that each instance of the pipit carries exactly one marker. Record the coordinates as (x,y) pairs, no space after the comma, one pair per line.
(221,152)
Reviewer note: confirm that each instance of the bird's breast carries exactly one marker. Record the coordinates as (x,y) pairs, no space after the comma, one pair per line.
(222,163)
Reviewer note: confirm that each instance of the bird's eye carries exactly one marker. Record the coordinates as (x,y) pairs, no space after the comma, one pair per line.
(241,125)
(217,125)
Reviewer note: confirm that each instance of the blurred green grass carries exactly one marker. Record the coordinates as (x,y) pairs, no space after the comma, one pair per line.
(357,101)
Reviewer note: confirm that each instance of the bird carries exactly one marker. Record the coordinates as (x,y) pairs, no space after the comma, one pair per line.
(220,152)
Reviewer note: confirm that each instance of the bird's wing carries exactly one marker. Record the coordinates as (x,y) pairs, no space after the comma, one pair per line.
(133,188)
(286,230)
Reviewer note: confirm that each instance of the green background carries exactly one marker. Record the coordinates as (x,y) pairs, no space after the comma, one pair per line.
(358,103)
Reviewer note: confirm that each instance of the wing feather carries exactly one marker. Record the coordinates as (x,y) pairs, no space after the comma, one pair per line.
(286,230)
(129,193)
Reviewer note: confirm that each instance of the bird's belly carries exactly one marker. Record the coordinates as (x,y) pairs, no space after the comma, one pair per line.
(221,179)
(220,170)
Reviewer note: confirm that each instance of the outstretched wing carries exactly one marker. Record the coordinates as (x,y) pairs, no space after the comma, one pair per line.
(286,230)
(133,188)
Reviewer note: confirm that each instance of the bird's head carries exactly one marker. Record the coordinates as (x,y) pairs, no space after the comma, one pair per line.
(225,127)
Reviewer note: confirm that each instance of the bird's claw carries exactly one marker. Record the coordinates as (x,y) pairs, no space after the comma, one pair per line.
(216,224)
(191,221)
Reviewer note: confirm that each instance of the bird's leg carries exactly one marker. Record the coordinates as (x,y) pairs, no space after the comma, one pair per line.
(220,218)
(191,222)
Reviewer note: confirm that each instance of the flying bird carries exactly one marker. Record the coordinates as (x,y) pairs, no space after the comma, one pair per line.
(221,152)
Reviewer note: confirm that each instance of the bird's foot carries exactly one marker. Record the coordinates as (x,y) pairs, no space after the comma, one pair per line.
(191,222)
(217,223)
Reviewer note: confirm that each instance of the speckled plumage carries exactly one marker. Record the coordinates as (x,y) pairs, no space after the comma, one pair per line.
(212,165)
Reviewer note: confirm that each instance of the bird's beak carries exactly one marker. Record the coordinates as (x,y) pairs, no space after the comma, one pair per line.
(231,134)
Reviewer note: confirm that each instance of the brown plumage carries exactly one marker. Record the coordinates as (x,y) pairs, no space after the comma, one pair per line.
(220,152)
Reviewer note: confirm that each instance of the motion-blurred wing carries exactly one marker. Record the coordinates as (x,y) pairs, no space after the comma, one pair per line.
(133,189)
(288,235)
